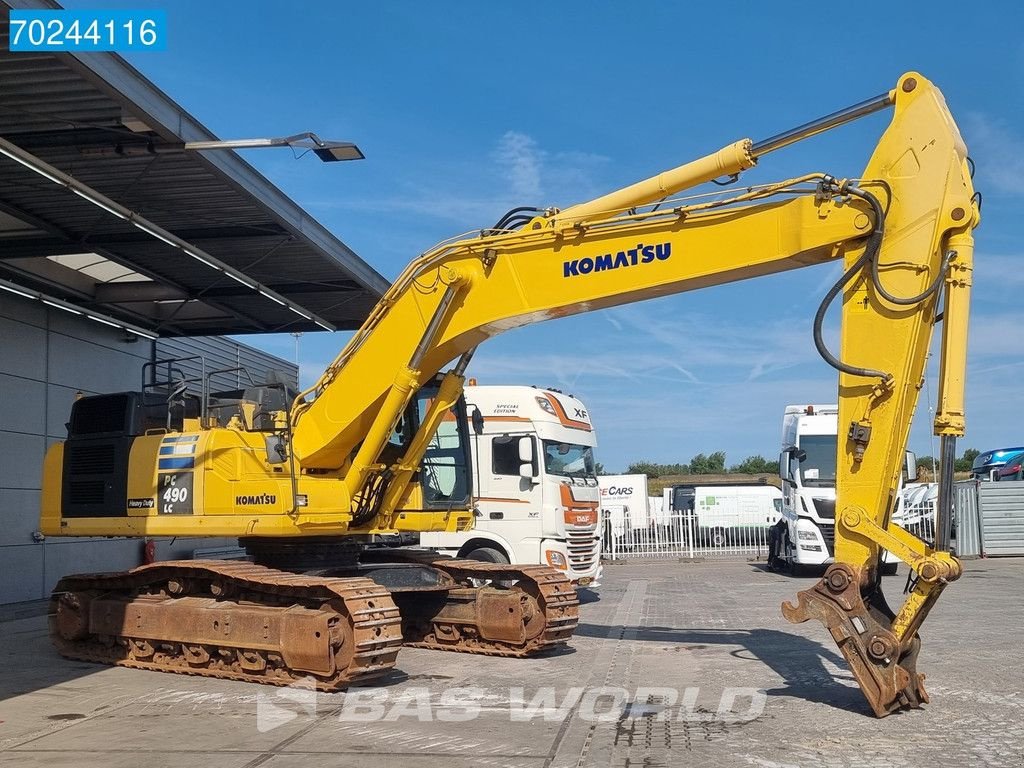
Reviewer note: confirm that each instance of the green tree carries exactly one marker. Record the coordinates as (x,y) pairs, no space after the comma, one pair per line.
(756,465)
(648,468)
(708,465)
(717,462)
(699,464)
(599,468)
(964,463)
(675,469)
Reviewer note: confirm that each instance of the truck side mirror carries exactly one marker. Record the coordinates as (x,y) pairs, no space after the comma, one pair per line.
(526,449)
(477,419)
(527,459)
(910,467)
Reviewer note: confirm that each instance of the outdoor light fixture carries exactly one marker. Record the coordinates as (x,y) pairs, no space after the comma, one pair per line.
(74,309)
(328,151)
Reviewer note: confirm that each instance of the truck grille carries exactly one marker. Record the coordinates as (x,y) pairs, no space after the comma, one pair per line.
(828,533)
(826,508)
(583,546)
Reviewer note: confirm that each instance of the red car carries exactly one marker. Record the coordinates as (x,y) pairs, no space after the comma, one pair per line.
(1013,469)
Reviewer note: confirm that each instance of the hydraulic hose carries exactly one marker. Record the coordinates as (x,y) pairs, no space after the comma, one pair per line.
(876,278)
(503,221)
(874,242)
(870,257)
(871,249)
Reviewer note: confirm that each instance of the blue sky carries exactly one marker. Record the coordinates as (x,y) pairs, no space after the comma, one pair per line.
(467,109)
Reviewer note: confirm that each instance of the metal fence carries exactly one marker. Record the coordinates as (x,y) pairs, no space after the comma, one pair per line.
(967,519)
(678,535)
(1002,517)
(919,519)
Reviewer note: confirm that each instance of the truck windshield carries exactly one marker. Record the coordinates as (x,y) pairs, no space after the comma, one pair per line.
(568,459)
(818,469)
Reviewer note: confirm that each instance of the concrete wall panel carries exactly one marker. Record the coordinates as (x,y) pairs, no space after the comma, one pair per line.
(22,404)
(22,569)
(21,460)
(24,347)
(17,521)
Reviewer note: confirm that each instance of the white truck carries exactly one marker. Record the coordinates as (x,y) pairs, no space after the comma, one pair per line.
(535,486)
(805,536)
(624,506)
(719,514)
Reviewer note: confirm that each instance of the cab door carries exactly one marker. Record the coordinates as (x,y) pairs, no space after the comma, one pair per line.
(504,493)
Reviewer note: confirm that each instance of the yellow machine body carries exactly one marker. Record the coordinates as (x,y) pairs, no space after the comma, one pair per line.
(903,230)
(222,485)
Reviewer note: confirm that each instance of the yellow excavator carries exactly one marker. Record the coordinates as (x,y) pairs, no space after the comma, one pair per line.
(317,484)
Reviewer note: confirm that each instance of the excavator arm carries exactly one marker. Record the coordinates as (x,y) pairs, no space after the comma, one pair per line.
(903,232)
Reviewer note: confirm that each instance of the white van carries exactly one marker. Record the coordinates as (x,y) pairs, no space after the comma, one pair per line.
(720,514)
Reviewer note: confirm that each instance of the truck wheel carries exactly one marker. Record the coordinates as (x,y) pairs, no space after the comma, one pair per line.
(775,546)
(798,570)
(487,555)
(718,537)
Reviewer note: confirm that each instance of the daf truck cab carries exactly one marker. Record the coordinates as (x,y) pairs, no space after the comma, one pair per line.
(535,485)
(804,537)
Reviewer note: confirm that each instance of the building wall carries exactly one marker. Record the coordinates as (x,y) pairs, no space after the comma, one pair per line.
(46,357)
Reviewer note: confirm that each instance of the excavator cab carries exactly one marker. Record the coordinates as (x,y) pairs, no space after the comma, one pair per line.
(444,475)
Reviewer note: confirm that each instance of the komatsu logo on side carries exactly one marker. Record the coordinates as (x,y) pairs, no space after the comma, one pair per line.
(642,254)
(263,498)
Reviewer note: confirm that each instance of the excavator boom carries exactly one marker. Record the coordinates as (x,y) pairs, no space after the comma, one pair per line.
(903,231)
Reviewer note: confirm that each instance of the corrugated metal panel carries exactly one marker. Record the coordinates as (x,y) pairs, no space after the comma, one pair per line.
(219,353)
(968,520)
(1002,516)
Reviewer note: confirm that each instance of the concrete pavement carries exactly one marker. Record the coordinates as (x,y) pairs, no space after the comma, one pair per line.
(673,664)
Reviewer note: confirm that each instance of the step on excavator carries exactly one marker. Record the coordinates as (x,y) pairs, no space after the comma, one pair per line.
(316,484)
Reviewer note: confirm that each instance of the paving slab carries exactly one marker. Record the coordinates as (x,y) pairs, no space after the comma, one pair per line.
(673,663)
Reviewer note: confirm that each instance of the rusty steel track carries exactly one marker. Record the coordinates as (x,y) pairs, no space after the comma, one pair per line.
(240,621)
(537,613)
(229,619)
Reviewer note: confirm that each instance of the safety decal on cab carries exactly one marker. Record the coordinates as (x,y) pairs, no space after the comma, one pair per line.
(175,464)
(177,452)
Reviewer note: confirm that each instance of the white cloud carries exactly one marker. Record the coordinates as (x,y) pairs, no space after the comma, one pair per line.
(517,153)
(999,152)
(475,191)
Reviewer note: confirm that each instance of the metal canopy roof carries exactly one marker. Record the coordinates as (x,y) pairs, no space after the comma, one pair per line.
(97,119)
